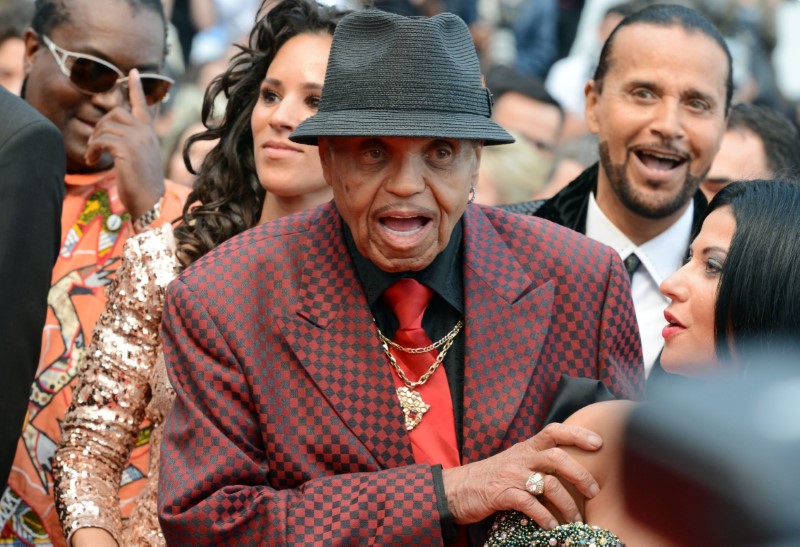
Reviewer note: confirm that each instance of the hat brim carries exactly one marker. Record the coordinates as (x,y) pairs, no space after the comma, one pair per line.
(374,123)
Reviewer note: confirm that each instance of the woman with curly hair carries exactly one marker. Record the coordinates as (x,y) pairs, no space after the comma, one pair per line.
(254,174)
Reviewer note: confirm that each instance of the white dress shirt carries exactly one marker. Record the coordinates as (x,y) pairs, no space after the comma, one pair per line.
(660,257)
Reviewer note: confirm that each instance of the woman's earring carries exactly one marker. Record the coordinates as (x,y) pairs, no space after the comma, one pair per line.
(471,194)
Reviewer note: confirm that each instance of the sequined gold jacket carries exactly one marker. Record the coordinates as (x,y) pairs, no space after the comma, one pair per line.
(122,381)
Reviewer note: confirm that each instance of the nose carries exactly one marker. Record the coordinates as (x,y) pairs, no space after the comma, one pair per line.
(673,287)
(114,97)
(287,115)
(668,122)
(408,177)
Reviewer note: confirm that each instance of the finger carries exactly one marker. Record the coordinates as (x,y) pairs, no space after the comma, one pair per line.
(566,435)
(560,498)
(557,462)
(136,97)
(528,504)
(100,143)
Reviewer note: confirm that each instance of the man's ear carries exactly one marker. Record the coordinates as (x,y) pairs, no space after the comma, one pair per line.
(32,46)
(325,158)
(592,93)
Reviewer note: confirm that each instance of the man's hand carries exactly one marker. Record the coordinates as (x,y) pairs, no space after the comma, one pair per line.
(477,490)
(129,137)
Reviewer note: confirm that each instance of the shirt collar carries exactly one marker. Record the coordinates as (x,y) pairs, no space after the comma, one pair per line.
(661,256)
(438,275)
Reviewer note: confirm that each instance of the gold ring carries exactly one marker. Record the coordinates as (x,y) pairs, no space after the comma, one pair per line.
(535,483)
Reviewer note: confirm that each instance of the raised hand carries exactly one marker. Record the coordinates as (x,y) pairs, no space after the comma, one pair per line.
(128,135)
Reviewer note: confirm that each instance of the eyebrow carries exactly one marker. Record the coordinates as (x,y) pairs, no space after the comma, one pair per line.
(311,86)
(691,93)
(708,250)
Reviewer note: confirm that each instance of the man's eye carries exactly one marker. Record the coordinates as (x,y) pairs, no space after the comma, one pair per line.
(643,93)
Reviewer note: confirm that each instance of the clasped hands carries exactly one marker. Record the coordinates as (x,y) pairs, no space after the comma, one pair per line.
(480,489)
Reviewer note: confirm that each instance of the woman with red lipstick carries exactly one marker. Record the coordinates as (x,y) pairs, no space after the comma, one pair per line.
(737,293)
(253,174)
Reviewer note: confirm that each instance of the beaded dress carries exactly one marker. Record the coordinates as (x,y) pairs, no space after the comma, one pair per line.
(514,529)
(122,381)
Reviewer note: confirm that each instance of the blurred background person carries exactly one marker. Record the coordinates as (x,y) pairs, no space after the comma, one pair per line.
(510,173)
(182,169)
(31,192)
(15,16)
(96,74)
(573,156)
(253,173)
(759,143)
(523,105)
(566,79)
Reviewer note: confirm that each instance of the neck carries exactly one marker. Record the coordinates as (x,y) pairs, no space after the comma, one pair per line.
(276,207)
(637,228)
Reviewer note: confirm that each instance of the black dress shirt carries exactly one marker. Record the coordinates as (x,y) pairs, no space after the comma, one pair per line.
(445,275)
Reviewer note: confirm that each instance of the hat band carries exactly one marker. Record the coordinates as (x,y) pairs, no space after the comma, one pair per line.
(409,97)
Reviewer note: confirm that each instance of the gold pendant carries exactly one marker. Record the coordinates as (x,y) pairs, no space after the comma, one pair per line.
(413,406)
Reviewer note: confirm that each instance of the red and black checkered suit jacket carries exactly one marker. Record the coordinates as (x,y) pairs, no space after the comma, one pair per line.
(286,428)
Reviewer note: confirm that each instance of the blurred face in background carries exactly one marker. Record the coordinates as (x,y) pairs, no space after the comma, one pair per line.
(741,157)
(176,167)
(12,67)
(290,172)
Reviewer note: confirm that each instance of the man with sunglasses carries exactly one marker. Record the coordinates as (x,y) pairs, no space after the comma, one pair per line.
(95,72)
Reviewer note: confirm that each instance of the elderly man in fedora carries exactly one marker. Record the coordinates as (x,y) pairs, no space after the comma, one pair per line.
(380,369)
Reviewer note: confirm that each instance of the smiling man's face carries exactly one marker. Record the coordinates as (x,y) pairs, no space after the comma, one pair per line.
(400,196)
(660,116)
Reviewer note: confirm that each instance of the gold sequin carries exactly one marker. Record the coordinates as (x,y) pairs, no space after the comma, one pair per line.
(121,382)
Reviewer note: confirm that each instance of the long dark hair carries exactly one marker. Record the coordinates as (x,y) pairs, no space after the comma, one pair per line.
(227,196)
(758,299)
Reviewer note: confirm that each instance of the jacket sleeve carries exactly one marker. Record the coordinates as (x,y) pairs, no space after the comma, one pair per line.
(113,388)
(32,167)
(215,480)
(621,365)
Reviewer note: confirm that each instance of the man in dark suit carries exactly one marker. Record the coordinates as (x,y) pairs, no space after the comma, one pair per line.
(380,369)
(32,166)
(659,102)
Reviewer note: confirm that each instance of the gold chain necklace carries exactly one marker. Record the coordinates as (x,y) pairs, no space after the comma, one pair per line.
(410,401)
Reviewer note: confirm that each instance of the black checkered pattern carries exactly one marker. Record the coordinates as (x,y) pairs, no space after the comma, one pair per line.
(286,428)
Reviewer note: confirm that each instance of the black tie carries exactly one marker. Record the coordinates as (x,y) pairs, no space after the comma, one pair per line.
(632,263)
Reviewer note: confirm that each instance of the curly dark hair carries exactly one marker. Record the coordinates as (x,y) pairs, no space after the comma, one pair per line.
(227,196)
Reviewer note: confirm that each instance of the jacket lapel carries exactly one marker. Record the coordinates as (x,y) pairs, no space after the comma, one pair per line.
(333,336)
(508,313)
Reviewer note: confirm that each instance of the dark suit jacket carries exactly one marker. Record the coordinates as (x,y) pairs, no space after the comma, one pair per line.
(286,428)
(32,164)
(569,208)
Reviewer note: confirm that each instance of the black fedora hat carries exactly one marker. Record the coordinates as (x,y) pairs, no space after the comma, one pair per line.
(395,76)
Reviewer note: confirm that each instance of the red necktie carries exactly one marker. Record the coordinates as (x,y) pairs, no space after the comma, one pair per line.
(434,439)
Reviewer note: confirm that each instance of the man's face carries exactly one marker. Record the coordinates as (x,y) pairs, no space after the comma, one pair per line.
(400,197)
(660,117)
(540,123)
(124,37)
(12,51)
(741,157)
